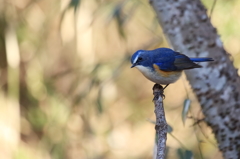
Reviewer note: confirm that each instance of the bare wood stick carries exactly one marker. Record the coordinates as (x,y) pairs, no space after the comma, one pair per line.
(161,124)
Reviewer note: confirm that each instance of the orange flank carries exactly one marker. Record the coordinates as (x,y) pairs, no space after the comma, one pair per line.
(164,73)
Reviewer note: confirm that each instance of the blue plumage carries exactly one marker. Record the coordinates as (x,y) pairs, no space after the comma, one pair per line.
(164,65)
(167,59)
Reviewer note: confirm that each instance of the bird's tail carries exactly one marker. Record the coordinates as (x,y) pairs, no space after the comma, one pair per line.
(201,59)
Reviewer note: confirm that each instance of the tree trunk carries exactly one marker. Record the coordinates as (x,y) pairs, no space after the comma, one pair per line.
(216,85)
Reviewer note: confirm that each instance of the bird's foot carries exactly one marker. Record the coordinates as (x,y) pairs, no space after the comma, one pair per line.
(158,90)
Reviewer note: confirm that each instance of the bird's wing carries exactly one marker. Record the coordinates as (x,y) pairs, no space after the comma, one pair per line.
(182,62)
(174,61)
(165,61)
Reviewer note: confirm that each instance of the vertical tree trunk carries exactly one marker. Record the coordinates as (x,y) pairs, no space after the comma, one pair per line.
(217,84)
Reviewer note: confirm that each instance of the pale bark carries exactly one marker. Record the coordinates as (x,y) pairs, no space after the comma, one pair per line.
(216,85)
(161,124)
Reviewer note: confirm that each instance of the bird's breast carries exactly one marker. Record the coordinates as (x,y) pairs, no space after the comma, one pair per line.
(159,76)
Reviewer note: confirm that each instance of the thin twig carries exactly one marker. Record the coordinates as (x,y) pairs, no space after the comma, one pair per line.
(161,124)
(213,6)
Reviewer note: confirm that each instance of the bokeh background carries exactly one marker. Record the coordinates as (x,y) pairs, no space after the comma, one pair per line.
(67,90)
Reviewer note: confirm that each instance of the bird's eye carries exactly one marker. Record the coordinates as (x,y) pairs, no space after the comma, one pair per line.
(140,59)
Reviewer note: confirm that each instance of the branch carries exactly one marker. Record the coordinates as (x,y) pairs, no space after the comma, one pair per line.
(161,124)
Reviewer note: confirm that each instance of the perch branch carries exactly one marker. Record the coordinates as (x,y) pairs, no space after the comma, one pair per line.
(161,124)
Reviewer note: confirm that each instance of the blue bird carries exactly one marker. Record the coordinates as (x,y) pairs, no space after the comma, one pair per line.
(163,65)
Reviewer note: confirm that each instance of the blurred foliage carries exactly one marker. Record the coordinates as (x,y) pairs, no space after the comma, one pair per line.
(78,97)
(184,154)
(185,110)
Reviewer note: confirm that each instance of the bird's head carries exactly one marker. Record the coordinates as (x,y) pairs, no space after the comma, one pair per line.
(140,58)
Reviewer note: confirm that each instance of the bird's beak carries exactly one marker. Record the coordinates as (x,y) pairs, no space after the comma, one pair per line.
(133,65)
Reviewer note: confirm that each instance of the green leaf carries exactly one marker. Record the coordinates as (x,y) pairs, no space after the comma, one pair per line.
(99,101)
(186,106)
(188,154)
(169,129)
(184,154)
(75,4)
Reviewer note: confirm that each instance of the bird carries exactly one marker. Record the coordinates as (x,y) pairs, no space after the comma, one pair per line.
(163,65)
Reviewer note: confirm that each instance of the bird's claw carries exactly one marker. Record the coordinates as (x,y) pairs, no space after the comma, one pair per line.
(158,90)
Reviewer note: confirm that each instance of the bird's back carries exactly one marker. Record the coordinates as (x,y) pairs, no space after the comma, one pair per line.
(169,60)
